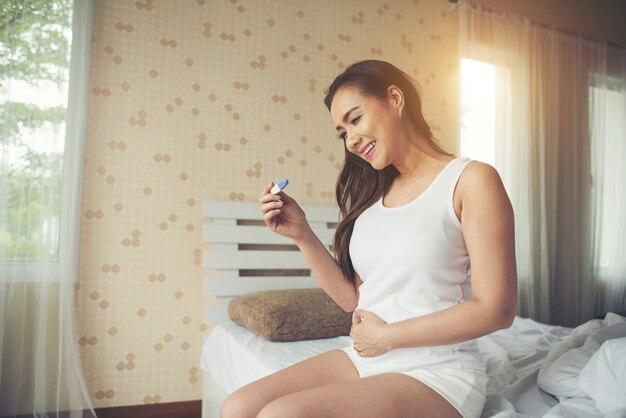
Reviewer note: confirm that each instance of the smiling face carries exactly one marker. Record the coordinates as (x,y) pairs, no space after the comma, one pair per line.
(369,126)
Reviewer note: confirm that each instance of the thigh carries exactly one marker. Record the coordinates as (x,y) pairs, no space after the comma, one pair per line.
(331,367)
(381,396)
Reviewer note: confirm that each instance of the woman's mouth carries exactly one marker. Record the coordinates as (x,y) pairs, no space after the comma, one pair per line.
(367,152)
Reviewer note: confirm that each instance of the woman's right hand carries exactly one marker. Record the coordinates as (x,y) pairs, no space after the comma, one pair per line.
(282,214)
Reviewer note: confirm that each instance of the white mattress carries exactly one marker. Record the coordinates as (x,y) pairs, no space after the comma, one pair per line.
(234,357)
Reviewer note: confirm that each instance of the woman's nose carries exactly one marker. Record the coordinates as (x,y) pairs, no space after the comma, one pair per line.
(353,142)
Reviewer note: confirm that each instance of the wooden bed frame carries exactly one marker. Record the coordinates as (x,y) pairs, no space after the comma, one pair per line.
(246,256)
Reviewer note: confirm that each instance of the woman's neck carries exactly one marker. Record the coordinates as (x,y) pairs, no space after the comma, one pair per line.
(418,159)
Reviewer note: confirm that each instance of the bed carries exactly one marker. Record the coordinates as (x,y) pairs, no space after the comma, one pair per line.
(535,369)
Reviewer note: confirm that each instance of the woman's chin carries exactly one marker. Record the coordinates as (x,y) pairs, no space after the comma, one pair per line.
(377,163)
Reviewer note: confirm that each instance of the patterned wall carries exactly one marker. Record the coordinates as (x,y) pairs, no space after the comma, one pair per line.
(212,99)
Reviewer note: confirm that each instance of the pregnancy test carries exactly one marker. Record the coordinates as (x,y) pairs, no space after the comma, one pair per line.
(280,186)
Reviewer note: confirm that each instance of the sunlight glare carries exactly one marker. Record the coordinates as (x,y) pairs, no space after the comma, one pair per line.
(478,110)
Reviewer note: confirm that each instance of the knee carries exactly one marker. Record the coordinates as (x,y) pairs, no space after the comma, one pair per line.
(281,408)
(236,406)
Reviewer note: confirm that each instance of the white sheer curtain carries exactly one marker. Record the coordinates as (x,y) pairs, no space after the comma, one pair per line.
(607,110)
(560,149)
(44,59)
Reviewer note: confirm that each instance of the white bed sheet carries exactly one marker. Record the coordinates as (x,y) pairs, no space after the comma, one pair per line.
(234,356)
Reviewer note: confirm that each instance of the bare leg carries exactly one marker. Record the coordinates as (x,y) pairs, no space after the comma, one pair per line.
(331,367)
(381,396)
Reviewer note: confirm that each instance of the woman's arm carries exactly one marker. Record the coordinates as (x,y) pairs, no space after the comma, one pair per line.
(327,272)
(283,215)
(488,230)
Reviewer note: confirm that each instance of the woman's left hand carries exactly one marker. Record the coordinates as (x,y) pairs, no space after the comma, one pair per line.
(367,334)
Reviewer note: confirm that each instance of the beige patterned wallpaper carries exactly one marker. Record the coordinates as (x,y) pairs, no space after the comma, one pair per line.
(212,99)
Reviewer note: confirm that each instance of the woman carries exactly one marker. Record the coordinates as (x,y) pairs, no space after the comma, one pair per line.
(414,218)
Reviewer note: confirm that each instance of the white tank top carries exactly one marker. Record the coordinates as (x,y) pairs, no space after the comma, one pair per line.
(413,261)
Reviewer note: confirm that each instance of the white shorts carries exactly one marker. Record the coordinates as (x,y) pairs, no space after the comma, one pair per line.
(465,389)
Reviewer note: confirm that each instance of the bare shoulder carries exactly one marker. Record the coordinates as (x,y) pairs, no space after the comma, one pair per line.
(477,173)
(480,185)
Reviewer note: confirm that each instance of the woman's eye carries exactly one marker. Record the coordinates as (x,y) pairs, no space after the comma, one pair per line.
(355,120)
(342,136)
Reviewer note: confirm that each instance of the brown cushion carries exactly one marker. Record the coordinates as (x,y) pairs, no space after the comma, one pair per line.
(291,314)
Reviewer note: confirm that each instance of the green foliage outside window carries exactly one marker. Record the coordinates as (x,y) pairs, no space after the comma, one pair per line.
(35,39)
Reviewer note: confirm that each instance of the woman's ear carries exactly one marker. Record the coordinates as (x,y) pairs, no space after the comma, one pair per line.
(396,99)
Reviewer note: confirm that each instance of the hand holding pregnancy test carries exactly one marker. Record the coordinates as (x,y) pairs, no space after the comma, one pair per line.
(281,212)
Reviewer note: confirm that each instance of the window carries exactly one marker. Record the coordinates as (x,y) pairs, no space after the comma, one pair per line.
(607,107)
(478,111)
(35,45)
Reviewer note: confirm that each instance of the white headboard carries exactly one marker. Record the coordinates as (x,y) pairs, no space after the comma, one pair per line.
(248,257)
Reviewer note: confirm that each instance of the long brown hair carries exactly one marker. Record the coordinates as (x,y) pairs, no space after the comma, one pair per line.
(359,185)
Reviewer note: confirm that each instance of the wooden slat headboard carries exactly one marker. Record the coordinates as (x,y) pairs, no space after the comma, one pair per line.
(248,257)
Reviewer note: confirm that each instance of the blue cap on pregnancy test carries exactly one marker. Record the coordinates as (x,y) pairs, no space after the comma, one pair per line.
(279,186)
